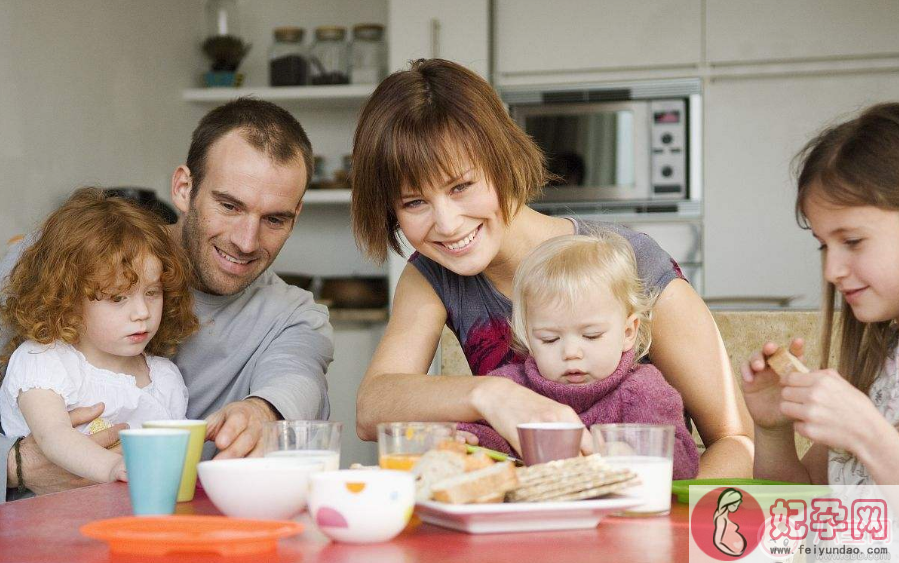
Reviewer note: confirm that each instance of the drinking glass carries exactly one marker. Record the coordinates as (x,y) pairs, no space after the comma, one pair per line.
(309,439)
(401,444)
(647,449)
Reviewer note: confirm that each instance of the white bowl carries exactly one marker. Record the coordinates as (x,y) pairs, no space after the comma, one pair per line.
(266,488)
(361,506)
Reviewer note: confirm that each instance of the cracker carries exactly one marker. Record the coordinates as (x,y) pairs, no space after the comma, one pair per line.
(570,479)
(783,363)
(550,489)
(595,492)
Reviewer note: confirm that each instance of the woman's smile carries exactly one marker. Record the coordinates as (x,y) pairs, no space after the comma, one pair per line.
(461,246)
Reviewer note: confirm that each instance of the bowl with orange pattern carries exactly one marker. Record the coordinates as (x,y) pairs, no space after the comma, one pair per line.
(361,506)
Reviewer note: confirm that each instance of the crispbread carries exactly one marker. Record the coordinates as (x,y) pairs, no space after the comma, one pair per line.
(783,363)
(593,492)
(570,479)
(571,482)
(552,470)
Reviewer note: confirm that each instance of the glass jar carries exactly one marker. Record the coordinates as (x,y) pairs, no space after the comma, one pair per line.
(368,54)
(288,59)
(330,56)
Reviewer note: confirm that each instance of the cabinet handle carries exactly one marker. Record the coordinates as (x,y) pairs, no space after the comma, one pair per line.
(435,38)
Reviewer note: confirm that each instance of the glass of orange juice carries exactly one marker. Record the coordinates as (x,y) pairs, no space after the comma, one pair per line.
(401,444)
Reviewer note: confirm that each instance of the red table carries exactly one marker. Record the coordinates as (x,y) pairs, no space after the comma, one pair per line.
(46,529)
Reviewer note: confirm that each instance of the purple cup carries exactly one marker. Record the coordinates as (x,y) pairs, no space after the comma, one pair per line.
(548,441)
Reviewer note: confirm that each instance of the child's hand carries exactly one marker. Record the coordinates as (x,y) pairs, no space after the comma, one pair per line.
(762,387)
(118,472)
(828,409)
(466,437)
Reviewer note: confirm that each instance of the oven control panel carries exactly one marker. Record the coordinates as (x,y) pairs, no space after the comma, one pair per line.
(668,159)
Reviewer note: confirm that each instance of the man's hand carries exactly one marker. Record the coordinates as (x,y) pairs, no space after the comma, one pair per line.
(40,475)
(237,427)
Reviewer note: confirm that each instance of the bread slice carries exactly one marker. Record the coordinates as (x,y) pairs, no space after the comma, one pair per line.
(453,446)
(434,466)
(783,363)
(470,487)
(477,460)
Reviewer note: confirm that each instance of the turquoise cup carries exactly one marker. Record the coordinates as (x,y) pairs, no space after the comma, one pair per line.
(154,458)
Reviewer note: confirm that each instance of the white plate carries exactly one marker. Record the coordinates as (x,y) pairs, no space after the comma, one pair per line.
(522,516)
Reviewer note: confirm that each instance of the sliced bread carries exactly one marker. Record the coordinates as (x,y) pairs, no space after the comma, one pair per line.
(486,483)
(434,466)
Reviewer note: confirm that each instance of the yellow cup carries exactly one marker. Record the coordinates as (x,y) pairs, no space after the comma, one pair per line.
(197,429)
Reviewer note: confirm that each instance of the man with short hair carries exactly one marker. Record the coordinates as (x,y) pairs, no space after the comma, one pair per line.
(263,347)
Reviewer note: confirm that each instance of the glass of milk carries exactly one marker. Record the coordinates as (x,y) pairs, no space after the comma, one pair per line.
(647,449)
(317,440)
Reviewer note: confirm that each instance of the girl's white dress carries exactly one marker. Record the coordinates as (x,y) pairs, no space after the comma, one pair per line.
(843,468)
(61,368)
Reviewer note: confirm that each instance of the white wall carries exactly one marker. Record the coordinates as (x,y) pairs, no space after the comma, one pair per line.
(753,128)
(90,92)
(322,242)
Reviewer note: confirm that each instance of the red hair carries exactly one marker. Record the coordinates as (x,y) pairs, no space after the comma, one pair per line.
(85,249)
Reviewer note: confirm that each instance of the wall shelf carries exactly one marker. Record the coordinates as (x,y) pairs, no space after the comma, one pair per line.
(344,95)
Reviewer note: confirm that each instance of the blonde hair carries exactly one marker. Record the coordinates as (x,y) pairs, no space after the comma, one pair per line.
(855,163)
(423,125)
(85,248)
(568,268)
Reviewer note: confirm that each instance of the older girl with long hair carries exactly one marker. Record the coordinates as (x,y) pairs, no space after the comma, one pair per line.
(849,198)
(94,305)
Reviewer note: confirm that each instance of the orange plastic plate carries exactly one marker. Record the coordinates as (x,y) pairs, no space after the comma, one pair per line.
(162,535)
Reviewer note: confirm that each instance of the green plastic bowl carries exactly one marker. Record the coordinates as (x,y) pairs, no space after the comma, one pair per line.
(682,488)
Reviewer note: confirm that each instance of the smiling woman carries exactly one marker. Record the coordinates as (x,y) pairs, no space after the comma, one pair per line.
(437,158)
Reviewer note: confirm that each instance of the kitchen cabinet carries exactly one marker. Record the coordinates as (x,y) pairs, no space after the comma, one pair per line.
(772,31)
(456,31)
(753,128)
(546,39)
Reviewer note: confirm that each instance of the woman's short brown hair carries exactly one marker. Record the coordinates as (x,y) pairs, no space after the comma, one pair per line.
(84,251)
(420,127)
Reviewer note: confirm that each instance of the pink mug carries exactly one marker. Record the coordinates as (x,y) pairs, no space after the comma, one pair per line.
(548,441)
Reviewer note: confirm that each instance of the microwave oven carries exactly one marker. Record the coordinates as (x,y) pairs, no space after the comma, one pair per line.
(624,142)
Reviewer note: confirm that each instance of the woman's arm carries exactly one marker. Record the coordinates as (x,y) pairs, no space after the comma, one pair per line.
(396,387)
(776,457)
(45,413)
(687,349)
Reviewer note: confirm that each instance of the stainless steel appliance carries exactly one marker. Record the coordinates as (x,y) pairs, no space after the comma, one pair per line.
(615,142)
(627,153)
